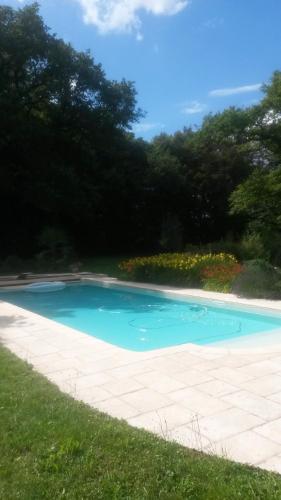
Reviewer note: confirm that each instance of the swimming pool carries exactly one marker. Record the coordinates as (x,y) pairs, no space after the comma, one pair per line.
(142,320)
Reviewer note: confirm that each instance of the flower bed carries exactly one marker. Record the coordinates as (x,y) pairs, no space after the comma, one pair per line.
(210,271)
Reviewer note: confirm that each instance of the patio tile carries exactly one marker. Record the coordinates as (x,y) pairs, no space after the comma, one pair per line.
(262,407)
(217,388)
(248,447)
(123,386)
(186,358)
(63,375)
(271,430)
(260,368)
(167,364)
(91,395)
(163,420)
(159,382)
(264,386)
(116,408)
(90,380)
(192,377)
(206,366)
(227,423)
(276,397)
(129,370)
(198,402)
(190,436)
(273,464)
(39,348)
(239,360)
(230,375)
(146,400)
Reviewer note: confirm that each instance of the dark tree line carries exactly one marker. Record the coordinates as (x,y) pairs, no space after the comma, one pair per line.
(70,162)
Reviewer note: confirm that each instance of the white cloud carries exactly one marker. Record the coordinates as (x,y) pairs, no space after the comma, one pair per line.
(147,126)
(123,15)
(193,107)
(235,90)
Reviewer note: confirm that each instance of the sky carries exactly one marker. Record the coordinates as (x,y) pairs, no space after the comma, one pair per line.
(187,58)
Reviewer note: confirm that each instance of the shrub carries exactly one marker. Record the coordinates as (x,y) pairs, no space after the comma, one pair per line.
(252,247)
(220,277)
(272,242)
(222,246)
(258,279)
(175,268)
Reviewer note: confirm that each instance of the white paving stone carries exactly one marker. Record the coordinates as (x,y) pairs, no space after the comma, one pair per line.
(260,368)
(217,388)
(264,386)
(248,447)
(159,382)
(116,407)
(192,377)
(276,397)
(123,386)
(198,402)
(262,407)
(145,400)
(273,464)
(191,436)
(230,375)
(85,381)
(90,395)
(271,430)
(163,420)
(227,423)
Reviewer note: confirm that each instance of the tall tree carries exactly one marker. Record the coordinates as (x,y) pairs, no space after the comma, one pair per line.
(61,120)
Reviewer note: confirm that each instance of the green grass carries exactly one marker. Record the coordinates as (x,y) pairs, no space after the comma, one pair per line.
(53,447)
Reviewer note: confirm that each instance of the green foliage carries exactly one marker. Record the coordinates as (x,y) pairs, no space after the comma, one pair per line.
(222,246)
(54,447)
(258,279)
(66,157)
(220,277)
(253,247)
(272,243)
(177,268)
(259,198)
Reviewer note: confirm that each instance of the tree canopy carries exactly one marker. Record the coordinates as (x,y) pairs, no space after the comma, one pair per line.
(70,162)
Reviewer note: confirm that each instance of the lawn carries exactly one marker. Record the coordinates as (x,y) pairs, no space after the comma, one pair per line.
(53,447)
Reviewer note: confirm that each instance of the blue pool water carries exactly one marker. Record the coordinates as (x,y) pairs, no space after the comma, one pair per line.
(141,321)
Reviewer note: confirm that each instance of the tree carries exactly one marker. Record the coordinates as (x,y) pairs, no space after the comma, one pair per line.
(61,122)
(192,174)
(259,199)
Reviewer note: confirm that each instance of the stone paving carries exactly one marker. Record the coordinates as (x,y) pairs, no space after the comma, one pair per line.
(220,400)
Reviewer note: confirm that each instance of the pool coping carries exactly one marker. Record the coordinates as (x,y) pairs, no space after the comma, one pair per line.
(216,399)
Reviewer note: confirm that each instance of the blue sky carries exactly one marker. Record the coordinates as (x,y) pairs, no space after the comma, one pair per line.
(186,57)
